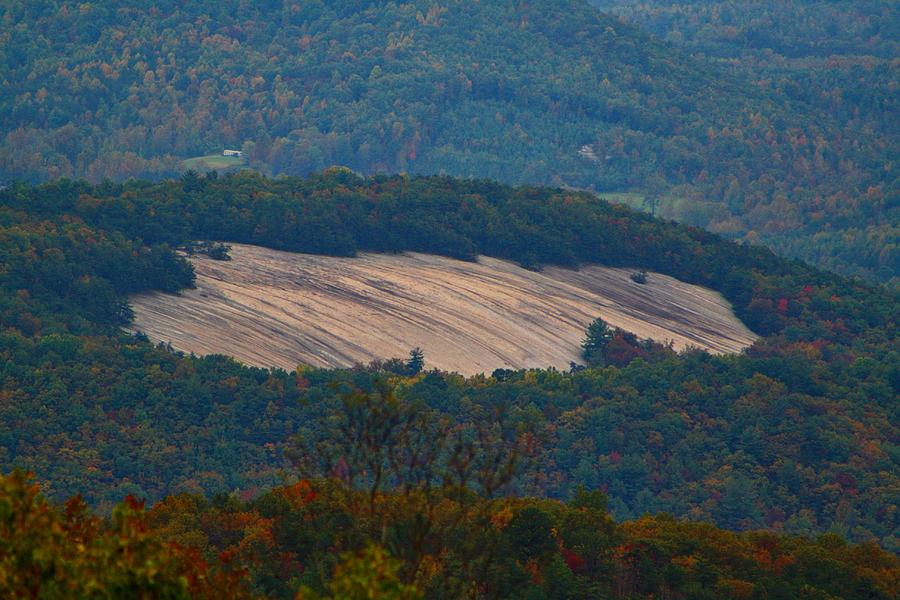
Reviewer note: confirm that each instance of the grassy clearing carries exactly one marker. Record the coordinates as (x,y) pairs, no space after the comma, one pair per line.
(213,162)
(632,199)
(670,207)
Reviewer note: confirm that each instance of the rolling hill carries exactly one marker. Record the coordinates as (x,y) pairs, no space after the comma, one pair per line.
(796,434)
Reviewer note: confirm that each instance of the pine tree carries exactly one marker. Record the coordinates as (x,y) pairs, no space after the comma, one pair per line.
(598,336)
(416,361)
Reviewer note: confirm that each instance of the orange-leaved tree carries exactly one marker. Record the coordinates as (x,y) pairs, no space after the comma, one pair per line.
(48,552)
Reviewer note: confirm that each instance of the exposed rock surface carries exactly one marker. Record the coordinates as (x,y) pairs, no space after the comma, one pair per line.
(272,308)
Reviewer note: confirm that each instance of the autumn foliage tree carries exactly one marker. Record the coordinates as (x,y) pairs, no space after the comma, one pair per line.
(48,552)
(366,575)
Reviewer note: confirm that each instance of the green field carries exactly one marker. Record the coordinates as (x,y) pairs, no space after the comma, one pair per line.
(213,162)
(632,199)
(678,208)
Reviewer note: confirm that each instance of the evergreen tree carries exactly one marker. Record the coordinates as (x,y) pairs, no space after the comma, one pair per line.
(416,361)
(598,336)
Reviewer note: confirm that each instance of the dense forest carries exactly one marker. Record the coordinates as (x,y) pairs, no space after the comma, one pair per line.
(800,159)
(799,434)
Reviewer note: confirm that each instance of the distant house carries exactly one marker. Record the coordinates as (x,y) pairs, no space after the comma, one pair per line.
(236,153)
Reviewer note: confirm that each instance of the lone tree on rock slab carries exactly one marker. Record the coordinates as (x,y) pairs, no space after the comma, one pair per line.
(416,361)
(598,336)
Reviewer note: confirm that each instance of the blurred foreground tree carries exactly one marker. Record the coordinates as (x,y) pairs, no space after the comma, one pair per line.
(48,553)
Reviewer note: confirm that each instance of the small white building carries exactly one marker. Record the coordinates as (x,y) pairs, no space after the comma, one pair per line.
(235,153)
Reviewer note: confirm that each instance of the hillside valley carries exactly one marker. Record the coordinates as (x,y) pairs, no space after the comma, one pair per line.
(272,308)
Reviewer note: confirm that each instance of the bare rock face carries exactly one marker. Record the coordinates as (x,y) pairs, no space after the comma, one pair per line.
(272,308)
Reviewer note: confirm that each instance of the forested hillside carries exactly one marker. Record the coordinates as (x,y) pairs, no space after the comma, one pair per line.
(550,93)
(839,57)
(799,434)
(789,29)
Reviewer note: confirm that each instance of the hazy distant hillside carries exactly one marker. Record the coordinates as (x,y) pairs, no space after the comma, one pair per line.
(550,92)
(792,28)
(839,57)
